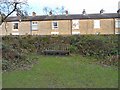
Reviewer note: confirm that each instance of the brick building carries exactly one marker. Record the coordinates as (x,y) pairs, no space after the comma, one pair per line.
(101,23)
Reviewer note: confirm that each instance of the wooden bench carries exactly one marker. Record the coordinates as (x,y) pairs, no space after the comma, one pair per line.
(56,50)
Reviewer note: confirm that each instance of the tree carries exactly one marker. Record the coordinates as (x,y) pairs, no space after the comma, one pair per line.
(55,11)
(46,10)
(7,7)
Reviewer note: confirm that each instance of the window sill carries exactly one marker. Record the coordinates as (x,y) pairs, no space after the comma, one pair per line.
(15,30)
(34,30)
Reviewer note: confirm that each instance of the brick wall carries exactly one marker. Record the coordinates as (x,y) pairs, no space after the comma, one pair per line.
(86,26)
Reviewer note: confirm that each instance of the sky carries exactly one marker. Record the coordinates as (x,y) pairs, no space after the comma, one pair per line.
(74,6)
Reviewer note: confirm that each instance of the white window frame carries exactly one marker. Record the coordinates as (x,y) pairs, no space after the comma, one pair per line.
(97,33)
(54,33)
(75,33)
(13,29)
(54,27)
(15,33)
(117,32)
(117,23)
(34,25)
(75,24)
(96,24)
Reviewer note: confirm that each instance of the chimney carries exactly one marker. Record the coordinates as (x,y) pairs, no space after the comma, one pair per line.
(84,12)
(66,12)
(33,14)
(50,13)
(102,11)
(118,11)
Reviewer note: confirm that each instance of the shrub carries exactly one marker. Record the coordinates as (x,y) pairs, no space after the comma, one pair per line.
(15,48)
(72,49)
(12,58)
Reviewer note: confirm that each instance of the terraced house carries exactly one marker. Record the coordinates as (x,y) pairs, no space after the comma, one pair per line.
(101,23)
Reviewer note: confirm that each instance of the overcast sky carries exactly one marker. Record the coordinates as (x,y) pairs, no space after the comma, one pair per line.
(75,6)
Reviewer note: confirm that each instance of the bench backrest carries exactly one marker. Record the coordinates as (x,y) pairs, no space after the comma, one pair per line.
(63,47)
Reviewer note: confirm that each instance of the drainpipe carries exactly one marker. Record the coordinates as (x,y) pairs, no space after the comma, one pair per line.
(30,27)
(71,26)
(114,25)
(20,28)
(87,27)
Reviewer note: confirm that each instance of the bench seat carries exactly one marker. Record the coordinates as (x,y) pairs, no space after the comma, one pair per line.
(56,52)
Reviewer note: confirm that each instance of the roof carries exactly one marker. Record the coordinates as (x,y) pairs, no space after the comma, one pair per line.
(64,17)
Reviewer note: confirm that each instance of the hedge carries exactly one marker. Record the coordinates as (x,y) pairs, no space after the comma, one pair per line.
(15,48)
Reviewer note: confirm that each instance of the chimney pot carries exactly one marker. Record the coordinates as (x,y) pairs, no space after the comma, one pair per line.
(66,12)
(102,11)
(33,14)
(118,11)
(50,13)
(84,12)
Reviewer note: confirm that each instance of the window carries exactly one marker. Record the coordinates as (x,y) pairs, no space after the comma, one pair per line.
(75,24)
(117,23)
(34,26)
(96,23)
(15,25)
(54,25)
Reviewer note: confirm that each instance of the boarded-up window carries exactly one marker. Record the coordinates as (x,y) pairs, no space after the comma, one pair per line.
(96,23)
(34,26)
(75,24)
(54,25)
(117,23)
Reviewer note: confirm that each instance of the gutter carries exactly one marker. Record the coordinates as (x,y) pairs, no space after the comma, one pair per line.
(30,27)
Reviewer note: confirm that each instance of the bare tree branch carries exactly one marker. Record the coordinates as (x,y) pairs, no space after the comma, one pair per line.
(55,11)
(7,7)
(15,7)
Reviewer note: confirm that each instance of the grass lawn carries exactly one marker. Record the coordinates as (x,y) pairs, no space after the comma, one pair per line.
(62,72)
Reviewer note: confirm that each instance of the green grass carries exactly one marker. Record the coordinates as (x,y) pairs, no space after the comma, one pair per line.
(62,72)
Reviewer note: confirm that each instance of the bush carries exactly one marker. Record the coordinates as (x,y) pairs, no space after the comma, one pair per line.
(101,46)
(72,49)
(15,48)
(12,58)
